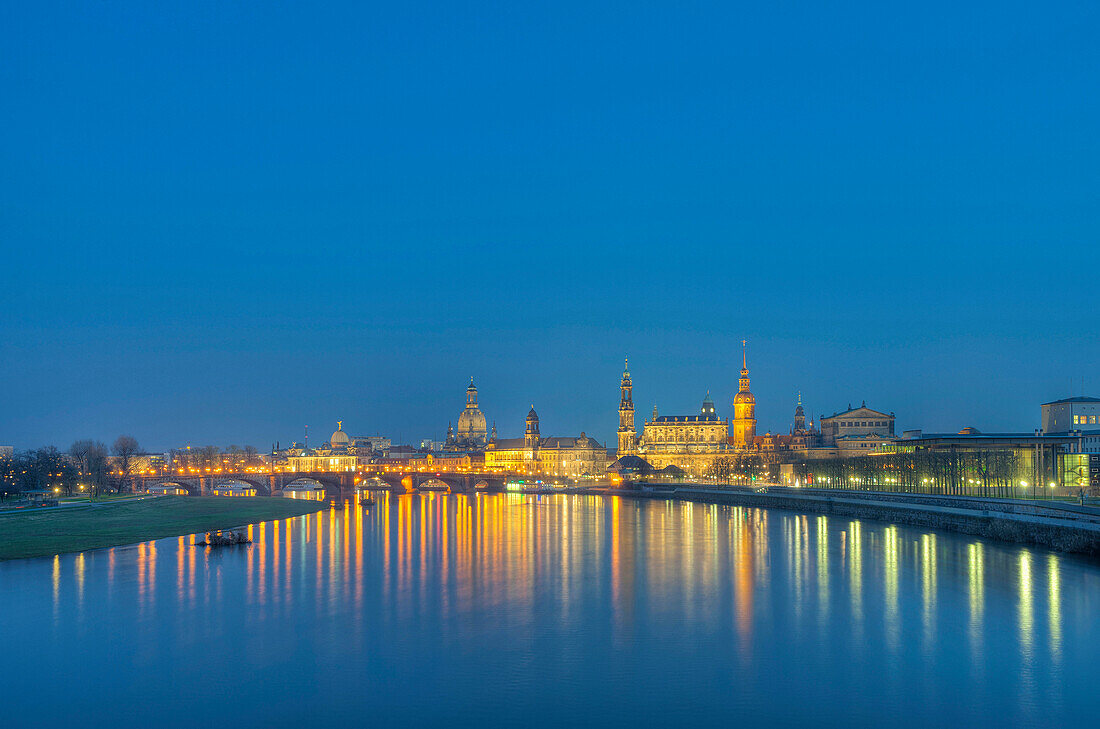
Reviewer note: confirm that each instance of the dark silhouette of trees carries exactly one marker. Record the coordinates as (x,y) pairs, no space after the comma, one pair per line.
(125,448)
(90,459)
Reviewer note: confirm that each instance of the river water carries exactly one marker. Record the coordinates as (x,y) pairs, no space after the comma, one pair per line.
(555,611)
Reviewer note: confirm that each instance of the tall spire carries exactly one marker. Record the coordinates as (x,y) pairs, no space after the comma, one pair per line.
(744,357)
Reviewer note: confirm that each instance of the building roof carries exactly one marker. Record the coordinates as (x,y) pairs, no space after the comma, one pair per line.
(1032,437)
(581,441)
(631,463)
(851,410)
(505,444)
(1073,399)
(866,436)
(687,419)
(553,441)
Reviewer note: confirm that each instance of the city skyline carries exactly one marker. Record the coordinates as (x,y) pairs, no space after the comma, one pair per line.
(773,412)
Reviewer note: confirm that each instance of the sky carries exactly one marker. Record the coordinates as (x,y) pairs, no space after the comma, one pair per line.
(221,222)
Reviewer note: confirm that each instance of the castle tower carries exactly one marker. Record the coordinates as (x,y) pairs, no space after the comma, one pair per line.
(799,416)
(744,408)
(627,434)
(708,411)
(531,439)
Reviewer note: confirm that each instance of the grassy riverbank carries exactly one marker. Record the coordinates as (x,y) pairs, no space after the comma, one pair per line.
(46,532)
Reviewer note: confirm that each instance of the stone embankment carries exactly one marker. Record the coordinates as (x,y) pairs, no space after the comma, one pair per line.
(1060,526)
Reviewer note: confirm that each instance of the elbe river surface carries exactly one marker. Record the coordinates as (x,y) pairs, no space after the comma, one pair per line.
(555,611)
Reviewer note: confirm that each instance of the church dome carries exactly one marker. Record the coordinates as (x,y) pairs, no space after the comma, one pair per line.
(471,423)
(744,397)
(339,438)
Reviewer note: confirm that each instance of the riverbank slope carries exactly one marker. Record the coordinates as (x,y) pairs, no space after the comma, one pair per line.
(46,532)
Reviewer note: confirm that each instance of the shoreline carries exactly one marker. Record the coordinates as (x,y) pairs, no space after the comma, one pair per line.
(1069,530)
(51,532)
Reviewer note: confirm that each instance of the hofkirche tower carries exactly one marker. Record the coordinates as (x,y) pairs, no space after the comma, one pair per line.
(744,408)
(628,442)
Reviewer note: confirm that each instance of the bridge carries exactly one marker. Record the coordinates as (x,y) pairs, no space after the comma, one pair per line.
(336,485)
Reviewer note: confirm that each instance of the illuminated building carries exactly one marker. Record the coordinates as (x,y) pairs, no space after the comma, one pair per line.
(856,425)
(690,442)
(472,432)
(1071,413)
(562,456)
(314,463)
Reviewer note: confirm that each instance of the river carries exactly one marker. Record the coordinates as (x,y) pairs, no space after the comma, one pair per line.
(555,611)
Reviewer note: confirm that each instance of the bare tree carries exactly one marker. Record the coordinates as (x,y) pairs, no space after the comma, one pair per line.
(125,448)
(79,451)
(91,459)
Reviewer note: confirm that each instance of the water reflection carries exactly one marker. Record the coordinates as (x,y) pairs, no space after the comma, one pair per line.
(563,590)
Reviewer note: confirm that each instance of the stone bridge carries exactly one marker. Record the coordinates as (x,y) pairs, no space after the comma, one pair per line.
(337,485)
(414,481)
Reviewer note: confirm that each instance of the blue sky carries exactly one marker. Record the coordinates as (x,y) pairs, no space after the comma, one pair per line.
(223,221)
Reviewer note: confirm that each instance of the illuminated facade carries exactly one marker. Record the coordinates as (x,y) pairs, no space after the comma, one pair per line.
(860,424)
(315,463)
(1071,414)
(690,442)
(560,456)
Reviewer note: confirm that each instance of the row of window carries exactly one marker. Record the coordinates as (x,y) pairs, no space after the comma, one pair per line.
(1084,420)
(865,424)
(681,437)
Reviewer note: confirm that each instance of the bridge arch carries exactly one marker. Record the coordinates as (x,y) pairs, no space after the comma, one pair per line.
(260,485)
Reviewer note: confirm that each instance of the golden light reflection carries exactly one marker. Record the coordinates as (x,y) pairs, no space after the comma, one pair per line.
(890,587)
(78,566)
(855,574)
(742,571)
(1054,608)
(975,557)
(56,586)
(1027,612)
(928,588)
(823,569)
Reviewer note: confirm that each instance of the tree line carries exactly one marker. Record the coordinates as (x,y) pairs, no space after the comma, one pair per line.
(85,467)
(89,466)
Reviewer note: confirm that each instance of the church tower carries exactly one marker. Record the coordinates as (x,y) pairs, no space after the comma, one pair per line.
(531,440)
(627,434)
(799,416)
(744,408)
